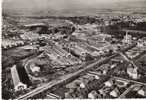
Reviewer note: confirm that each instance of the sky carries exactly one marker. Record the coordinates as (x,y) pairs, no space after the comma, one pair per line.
(57,4)
(60,5)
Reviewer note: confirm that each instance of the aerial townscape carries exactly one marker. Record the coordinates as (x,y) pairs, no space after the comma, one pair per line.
(85,57)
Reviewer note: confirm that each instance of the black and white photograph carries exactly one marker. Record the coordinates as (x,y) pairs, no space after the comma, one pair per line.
(73,49)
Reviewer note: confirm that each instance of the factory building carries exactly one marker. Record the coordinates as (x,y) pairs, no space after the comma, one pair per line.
(20,78)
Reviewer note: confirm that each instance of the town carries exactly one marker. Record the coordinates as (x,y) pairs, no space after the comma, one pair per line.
(74,57)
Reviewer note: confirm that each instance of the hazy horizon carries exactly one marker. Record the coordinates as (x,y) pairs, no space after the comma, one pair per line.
(67,6)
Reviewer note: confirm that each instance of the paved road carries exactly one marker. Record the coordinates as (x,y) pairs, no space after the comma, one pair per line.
(134,31)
